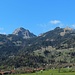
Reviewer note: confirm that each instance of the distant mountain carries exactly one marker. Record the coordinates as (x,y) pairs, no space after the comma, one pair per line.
(21,32)
(12,43)
(22,48)
(57,38)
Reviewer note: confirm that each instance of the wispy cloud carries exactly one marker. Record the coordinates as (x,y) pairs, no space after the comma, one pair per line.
(55,21)
(43,25)
(1,28)
(61,25)
(50,25)
(2,33)
(73,26)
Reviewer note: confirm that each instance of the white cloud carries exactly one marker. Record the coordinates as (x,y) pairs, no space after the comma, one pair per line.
(50,25)
(43,25)
(55,22)
(2,33)
(2,30)
(73,25)
(61,25)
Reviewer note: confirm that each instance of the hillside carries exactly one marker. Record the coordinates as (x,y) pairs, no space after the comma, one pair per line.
(23,48)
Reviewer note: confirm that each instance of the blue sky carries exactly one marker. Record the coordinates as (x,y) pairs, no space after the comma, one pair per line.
(38,16)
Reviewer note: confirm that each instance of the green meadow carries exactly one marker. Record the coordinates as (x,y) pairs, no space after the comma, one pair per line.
(52,72)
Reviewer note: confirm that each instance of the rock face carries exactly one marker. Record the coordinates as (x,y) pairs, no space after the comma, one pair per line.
(66,30)
(23,33)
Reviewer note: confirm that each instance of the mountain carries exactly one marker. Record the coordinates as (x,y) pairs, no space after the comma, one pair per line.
(23,48)
(21,32)
(57,38)
(10,44)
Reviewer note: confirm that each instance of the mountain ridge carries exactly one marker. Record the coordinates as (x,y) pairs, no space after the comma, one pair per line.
(47,48)
(21,32)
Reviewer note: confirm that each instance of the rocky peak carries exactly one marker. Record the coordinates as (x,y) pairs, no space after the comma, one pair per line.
(66,31)
(23,33)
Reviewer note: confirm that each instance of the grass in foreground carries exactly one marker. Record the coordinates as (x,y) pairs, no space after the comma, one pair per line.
(50,72)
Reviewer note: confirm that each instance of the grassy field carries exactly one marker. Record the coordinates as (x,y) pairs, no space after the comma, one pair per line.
(51,72)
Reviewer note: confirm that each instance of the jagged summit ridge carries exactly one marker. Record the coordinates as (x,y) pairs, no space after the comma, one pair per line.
(23,33)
